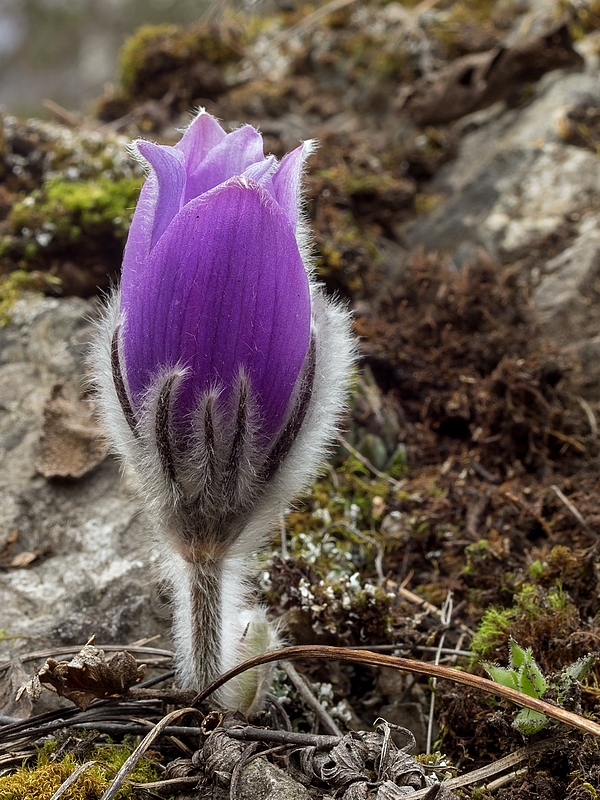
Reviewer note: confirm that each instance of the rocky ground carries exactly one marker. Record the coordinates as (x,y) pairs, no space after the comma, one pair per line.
(455,202)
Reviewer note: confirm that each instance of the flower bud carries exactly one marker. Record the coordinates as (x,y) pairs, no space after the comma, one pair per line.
(221,370)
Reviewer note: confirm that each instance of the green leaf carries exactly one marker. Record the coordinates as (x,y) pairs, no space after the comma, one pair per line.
(531,679)
(517,654)
(502,675)
(580,668)
(529,722)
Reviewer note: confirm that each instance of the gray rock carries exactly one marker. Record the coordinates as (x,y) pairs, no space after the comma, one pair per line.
(261,780)
(563,296)
(517,185)
(515,180)
(83,545)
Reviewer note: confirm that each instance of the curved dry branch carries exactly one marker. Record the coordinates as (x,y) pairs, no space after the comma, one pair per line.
(325,652)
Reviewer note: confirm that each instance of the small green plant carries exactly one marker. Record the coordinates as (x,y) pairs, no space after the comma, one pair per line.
(524,675)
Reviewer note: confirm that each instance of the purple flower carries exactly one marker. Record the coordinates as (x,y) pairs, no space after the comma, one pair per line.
(221,370)
(213,281)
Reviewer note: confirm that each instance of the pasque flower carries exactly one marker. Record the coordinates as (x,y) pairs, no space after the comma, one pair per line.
(221,371)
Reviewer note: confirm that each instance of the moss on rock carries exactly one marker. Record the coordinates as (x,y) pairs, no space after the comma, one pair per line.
(41,781)
(64,215)
(185,65)
(14,285)
(66,202)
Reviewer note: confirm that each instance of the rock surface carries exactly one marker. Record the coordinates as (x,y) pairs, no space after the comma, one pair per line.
(515,178)
(75,553)
(261,780)
(519,187)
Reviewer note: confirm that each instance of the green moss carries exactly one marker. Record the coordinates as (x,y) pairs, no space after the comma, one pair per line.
(347,257)
(424,203)
(41,781)
(162,57)
(134,51)
(476,555)
(481,794)
(584,18)
(538,618)
(397,467)
(356,182)
(260,98)
(537,569)
(33,151)
(331,529)
(368,57)
(174,43)
(451,26)
(12,287)
(65,218)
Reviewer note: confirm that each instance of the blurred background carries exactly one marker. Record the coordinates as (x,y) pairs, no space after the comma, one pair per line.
(66,50)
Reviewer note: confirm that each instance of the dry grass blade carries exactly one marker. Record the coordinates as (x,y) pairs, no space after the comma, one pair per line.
(590,415)
(365,461)
(325,652)
(447,609)
(574,511)
(311,701)
(169,783)
(142,748)
(65,785)
(484,773)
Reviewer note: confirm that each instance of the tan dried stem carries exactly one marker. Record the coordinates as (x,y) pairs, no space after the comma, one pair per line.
(324,652)
(143,746)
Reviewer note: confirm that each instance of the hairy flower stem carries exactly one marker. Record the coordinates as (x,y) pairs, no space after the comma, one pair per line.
(198,623)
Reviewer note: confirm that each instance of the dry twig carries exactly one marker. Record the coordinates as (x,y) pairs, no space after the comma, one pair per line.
(311,701)
(532,512)
(325,652)
(143,747)
(484,773)
(571,508)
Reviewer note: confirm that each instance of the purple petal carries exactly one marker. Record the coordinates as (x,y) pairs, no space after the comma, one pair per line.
(261,171)
(286,181)
(160,200)
(202,134)
(224,288)
(232,156)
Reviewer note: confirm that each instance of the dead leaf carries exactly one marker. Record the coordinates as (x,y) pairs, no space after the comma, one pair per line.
(480,79)
(32,688)
(22,560)
(362,761)
(72,443)
(89,675)
(14,702)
